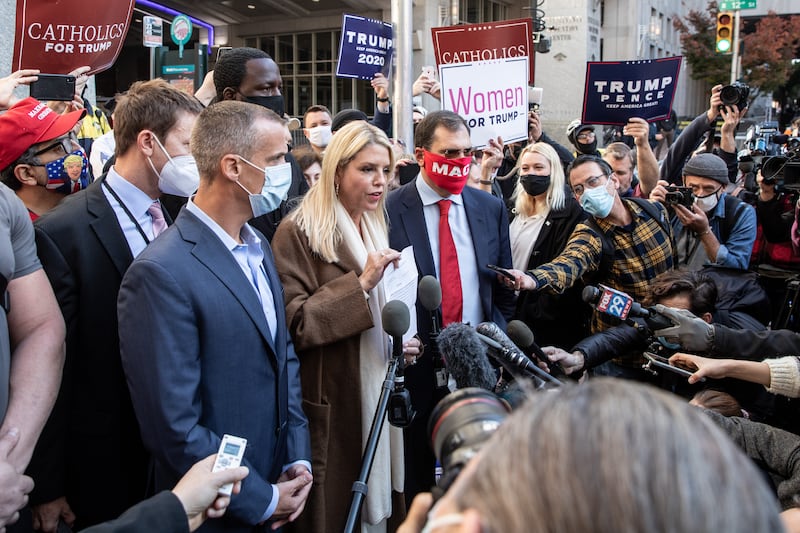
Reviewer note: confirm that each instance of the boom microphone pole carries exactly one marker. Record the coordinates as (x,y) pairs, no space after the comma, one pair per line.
(396,321)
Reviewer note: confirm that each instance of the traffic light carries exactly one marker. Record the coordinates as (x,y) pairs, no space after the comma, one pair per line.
(724,33)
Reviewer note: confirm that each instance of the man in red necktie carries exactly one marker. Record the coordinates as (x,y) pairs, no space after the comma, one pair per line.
(456,232)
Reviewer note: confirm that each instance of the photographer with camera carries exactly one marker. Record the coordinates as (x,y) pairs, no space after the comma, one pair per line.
(772,254)
(732,108)
(724,225)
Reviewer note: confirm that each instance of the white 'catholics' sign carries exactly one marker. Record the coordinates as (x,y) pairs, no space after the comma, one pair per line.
(492,97)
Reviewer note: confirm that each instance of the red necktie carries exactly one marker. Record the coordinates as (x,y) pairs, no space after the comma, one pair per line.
(449,275)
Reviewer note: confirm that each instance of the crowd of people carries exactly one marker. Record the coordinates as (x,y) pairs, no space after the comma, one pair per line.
(190,274)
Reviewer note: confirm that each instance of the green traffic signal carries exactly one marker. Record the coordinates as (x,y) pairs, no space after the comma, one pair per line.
(724,33)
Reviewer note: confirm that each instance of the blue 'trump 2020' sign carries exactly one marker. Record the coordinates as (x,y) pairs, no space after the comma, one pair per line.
(365,48)
(619,90)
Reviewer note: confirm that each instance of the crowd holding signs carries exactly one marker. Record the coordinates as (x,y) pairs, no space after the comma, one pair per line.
(484,69)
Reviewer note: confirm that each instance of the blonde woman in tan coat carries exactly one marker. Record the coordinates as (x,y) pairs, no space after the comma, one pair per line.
(331,254)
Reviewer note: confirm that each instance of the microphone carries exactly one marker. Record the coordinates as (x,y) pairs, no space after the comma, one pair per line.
(465,357)
(505,351)
(396,320)
(618,304)
(429,294)
(522,336)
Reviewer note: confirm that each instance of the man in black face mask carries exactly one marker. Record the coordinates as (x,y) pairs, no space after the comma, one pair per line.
(583,138)
(251,75)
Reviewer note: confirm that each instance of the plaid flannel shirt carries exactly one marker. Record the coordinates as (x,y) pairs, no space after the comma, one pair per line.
(642,250)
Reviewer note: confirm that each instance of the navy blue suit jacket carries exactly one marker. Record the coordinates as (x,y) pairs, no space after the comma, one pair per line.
(488,223)
(200,362)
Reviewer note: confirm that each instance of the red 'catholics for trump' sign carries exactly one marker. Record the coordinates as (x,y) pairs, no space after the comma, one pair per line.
(58,36)
(470,43)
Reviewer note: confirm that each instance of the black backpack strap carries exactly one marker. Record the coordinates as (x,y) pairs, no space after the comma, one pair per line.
(5,301)
(733,210)
(607,252)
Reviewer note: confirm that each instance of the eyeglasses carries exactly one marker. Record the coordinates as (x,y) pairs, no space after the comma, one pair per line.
(590,183)
(67,144)
(585,136)
(452,153)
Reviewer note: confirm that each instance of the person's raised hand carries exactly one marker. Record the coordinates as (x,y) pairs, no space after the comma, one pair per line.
(198,490)
(570,361)
(639,129)
(375,266)
(11,82)
(703,367)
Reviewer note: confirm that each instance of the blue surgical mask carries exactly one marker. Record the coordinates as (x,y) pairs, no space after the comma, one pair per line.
(277,180)
(597,201)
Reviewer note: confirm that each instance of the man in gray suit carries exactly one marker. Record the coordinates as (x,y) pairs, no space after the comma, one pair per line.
(203,334)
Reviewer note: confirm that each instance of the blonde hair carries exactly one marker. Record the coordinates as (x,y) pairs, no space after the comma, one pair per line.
(611,455)
(316,215)
(556,196)
(73,159)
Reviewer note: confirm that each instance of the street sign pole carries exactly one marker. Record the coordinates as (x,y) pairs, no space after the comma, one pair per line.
(735,56)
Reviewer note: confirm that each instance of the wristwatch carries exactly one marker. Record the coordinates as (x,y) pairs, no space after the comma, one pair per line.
(386,99)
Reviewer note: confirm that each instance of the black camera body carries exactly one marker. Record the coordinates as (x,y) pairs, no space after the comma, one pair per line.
(736,94)
(679,195)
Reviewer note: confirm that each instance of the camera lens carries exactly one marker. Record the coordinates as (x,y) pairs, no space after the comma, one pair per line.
(459,425)
(729,95)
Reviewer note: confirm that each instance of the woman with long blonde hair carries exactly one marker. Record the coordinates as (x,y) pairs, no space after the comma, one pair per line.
(331,254)
(545,214)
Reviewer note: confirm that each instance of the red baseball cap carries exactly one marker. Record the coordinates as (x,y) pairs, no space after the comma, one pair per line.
(30,122)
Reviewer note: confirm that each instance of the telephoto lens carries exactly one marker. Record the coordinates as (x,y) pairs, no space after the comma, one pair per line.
(459,425)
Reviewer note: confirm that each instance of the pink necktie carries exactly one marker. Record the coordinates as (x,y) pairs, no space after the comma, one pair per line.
(159,223)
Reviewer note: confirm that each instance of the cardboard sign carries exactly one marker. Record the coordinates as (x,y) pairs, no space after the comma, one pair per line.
(492,97)
(619,90)
(489,41)
(365,48)
(59,36)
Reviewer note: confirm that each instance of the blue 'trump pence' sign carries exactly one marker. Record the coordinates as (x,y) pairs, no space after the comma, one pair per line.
(619,90)
(365,48)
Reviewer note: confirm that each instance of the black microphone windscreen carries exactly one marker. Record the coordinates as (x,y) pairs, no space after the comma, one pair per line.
(590,294)
(465,357)
(395,318)
(520,333)
(429,293)
(780,139)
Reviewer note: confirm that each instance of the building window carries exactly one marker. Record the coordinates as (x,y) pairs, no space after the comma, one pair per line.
(473,11)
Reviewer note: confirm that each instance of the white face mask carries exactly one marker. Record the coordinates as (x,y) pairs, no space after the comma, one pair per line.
(179,176)
(277,181)
(320,136)
(708,202)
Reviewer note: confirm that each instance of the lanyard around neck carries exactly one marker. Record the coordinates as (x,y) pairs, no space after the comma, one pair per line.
(127,212)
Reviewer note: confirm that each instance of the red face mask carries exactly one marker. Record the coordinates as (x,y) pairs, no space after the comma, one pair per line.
(448,174)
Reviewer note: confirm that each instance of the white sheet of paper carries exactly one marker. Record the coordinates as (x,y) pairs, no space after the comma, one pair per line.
(400,283)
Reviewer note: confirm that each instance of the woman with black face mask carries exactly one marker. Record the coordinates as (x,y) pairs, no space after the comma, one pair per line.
(545,213)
